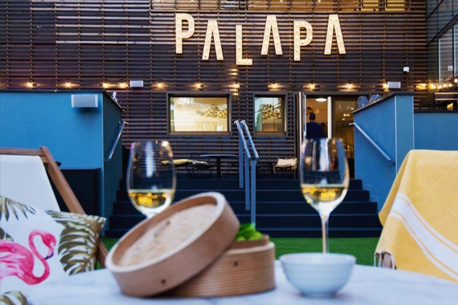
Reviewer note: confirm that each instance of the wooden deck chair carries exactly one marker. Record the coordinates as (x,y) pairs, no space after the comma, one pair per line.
(288,164)
(60,184)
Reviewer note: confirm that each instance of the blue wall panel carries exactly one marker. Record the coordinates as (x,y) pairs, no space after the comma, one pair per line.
(73,135)
(79,138)
(436,131)
(389,123)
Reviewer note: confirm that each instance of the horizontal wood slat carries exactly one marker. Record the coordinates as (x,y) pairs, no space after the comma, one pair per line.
(88,42)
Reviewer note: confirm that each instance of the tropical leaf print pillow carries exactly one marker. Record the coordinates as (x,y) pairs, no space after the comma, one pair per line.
(37,246)
(14,297)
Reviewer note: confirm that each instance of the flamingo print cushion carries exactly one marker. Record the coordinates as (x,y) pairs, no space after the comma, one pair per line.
(37,246)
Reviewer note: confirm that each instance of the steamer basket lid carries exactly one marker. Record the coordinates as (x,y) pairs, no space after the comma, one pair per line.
(162,252)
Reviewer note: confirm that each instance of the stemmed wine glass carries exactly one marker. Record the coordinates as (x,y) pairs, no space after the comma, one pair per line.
(151,176)
(324,178)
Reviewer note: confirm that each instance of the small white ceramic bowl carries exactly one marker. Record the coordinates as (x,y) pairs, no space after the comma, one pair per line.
(318,274)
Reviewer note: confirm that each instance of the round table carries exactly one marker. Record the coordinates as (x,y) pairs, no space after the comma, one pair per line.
(218,158)
(367,285)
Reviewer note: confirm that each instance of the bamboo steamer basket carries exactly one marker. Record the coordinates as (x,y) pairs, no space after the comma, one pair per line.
(190,253)
(247,267)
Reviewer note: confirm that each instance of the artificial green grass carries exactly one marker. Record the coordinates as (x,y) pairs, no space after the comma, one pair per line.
(362,248)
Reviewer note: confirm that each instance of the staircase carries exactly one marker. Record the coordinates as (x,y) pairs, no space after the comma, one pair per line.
(281,208)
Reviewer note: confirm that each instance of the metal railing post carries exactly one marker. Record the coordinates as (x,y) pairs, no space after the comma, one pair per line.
(247,168)
(247,184)
(253,191)
(241,158)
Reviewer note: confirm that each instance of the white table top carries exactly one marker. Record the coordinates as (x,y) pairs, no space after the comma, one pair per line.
(367,285)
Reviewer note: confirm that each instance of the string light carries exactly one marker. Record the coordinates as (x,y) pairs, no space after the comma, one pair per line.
(422,86)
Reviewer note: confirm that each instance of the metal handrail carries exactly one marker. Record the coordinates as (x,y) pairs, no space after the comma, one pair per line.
(247,168)
(381,151)
(116,141)
(250,140)
(242,139)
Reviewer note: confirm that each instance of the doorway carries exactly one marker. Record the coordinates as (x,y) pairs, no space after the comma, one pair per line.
(335,114)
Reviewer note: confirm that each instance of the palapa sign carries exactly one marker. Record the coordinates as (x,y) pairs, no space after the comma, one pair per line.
(271,26)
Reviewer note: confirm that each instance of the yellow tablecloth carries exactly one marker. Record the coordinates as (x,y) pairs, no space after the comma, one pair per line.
(420,215)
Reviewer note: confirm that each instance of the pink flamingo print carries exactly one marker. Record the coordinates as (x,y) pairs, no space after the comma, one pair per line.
(16,260)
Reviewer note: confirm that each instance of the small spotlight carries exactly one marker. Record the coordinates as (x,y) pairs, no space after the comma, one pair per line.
(349,86)
(433,86)
(68,84)
(385,86)
(198,85)
(30,84)
(274,85)
(237,85)
(160,85)
(312,86)
(123,85)
(105,85)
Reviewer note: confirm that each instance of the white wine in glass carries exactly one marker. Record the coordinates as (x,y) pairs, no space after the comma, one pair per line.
(151,176)
(324,178)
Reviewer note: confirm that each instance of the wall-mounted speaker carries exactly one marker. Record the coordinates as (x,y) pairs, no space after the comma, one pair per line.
(85,101)
(136,84)
(394,85)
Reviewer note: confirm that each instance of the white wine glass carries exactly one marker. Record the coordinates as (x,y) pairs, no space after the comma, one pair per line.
(324,178)
(151,177)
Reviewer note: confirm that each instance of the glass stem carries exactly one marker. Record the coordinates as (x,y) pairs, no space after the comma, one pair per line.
(324,231)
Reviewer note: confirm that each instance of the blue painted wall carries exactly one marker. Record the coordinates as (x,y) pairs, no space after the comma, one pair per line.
(79,138)
(33,119)
(389,122)
(436,130)
(112,171)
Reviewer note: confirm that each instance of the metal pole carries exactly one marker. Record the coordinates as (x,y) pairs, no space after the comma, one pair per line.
(247,184)
(253,191)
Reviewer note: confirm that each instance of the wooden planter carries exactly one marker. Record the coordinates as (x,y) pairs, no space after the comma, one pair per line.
(247,267)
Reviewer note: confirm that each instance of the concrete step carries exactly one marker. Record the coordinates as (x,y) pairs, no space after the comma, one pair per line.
(274,207)
(261,195)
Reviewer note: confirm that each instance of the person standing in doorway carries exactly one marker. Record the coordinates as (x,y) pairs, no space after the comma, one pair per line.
(314,130)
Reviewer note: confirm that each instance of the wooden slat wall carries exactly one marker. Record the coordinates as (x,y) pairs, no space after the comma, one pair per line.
(87,42)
